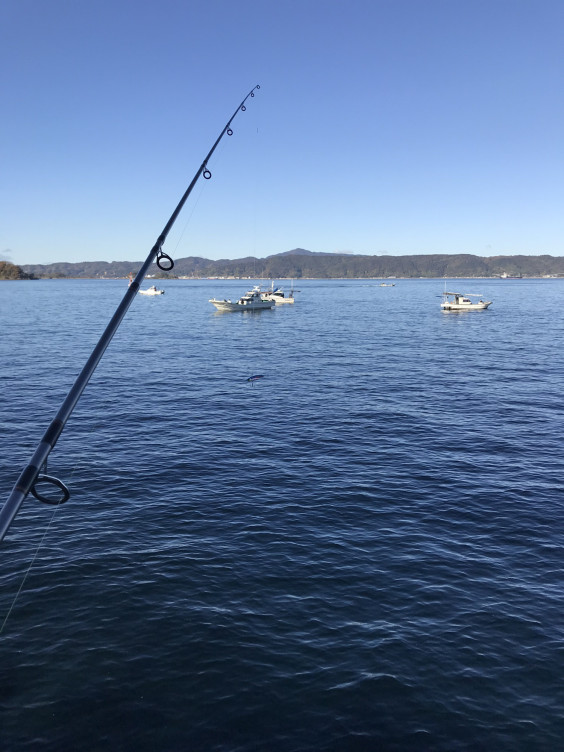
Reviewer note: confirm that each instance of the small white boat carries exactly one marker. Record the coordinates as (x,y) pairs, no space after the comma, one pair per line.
(151,291)
(387,284)
(456,301)
(277,295)
(250,301)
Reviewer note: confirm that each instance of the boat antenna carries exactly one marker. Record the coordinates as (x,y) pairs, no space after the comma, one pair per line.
(36,471)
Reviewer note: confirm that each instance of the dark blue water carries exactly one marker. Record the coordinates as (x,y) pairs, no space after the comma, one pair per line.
(363,551)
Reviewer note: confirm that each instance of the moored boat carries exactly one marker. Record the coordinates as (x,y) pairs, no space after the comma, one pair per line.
(151,291)
(277,295)
(456,301)
(250,301)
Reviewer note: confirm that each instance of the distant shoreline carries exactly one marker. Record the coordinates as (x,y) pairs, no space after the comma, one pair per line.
(288,279)
(302,264)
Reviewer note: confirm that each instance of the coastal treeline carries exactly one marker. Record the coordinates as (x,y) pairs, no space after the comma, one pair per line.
(300,263)
(11,271)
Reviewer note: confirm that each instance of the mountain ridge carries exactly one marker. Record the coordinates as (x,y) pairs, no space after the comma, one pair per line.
(300,263)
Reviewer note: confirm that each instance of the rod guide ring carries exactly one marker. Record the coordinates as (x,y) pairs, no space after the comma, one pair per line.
(169,263)
(54,482)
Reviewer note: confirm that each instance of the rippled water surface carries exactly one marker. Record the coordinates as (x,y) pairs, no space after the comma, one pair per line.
(362,551)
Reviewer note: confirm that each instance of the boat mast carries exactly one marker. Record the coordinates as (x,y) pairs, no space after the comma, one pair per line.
(32,473)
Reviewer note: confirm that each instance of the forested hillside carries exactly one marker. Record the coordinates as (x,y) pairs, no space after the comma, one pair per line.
(306,264)
(11,271)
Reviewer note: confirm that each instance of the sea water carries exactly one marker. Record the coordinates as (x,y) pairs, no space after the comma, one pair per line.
(360,551)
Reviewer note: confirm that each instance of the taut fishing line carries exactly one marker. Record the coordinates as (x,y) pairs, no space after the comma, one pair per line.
(196,202)
(80,460)
(28,570)
(218,158)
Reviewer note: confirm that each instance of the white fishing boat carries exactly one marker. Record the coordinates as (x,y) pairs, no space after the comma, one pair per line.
(151,291)
(250,301)
(456,301)
(277,295)
(387,284)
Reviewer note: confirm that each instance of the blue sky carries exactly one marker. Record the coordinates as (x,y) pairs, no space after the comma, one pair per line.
(381,126)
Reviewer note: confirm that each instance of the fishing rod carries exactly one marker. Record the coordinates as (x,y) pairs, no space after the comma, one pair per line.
(33,472)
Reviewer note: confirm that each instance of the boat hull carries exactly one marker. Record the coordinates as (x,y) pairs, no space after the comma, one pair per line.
(457,301)
(465,307)
(277,299)
(228,305)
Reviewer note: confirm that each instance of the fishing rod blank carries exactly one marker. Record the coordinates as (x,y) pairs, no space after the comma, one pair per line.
(32,474)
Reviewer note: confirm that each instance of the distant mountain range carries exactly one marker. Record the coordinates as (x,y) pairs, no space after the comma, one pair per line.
(300,263)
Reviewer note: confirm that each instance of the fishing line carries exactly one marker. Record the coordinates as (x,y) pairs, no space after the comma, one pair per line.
(203,185)
(28,570)
(257,172)
(197,200)
(81,458)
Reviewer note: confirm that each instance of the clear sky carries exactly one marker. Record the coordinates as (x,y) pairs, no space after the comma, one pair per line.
(381,126)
